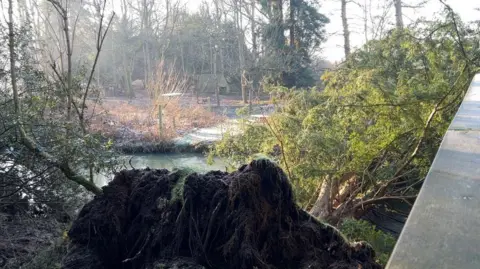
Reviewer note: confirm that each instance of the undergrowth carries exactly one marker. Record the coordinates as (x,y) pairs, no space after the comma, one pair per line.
(361,230)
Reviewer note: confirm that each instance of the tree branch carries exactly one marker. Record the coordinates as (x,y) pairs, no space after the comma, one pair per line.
(382,199)
(25,139)
(62,166)
(383,188)
(100,39)
(281,146)
(460,42)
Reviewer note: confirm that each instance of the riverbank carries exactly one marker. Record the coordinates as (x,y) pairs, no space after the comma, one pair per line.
(188,127)
(168,146)
(136,121)
(133,125)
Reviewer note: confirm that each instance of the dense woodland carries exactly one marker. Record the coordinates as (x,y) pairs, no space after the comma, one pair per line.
(353,136)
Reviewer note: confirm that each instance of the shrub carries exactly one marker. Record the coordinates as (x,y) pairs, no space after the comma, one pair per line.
(361,230)
(50,258)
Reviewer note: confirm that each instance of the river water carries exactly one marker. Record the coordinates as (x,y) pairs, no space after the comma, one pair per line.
(194,161)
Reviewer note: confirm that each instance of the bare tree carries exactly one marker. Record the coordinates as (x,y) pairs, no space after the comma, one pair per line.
(166,85)
(241,51)
(253,29)
(29,141)
(215,47)
(126,61)
(145,9)
(63,12)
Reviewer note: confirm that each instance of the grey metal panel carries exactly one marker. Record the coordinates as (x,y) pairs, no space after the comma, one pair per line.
(443,229)
(468,114)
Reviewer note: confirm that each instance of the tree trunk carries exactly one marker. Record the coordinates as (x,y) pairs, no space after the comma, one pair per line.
(182,57)
(214,71)
(241,52)
(343,188)
(277,10)
(323,205)
(254,35)
(292,24)
(126,76)
(221,58)
(365,20)
(146,64)
(98,79)
(277,20)
(244,85)
(215,54)
(146,31)
(346,32)
(13,73)
(127,80)
(69,66)
(398,13)
(114,70)
(255,57)
(217,90)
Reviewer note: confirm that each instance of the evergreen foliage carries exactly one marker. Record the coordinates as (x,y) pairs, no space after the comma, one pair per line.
(377,125)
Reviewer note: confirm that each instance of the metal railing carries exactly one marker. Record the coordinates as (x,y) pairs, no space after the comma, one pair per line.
(443,229)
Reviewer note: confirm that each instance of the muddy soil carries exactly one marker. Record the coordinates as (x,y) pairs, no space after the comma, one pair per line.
(23,237)
(180,219)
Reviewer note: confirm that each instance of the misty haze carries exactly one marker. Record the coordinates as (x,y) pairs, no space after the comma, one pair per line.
(224,133)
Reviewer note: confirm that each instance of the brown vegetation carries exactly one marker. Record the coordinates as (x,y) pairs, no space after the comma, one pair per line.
(137,121)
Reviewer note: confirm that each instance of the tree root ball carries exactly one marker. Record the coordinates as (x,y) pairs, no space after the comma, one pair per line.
(181,219)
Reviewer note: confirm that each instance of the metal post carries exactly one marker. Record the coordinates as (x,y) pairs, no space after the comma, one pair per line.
(160,121)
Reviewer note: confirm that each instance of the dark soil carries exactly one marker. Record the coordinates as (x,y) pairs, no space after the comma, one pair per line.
(23,237)
(246,219)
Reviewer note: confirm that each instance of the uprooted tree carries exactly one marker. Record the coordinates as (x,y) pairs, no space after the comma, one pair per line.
(371,135)
(245,219)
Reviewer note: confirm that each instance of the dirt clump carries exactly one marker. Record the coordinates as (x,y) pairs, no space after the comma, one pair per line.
(180,219)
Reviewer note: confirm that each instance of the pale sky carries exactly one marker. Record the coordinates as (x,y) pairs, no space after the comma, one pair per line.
(332,50)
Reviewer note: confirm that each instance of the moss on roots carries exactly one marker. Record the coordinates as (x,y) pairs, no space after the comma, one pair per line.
(179,185)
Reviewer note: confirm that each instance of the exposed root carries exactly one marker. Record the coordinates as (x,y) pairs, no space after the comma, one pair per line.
(243,220)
